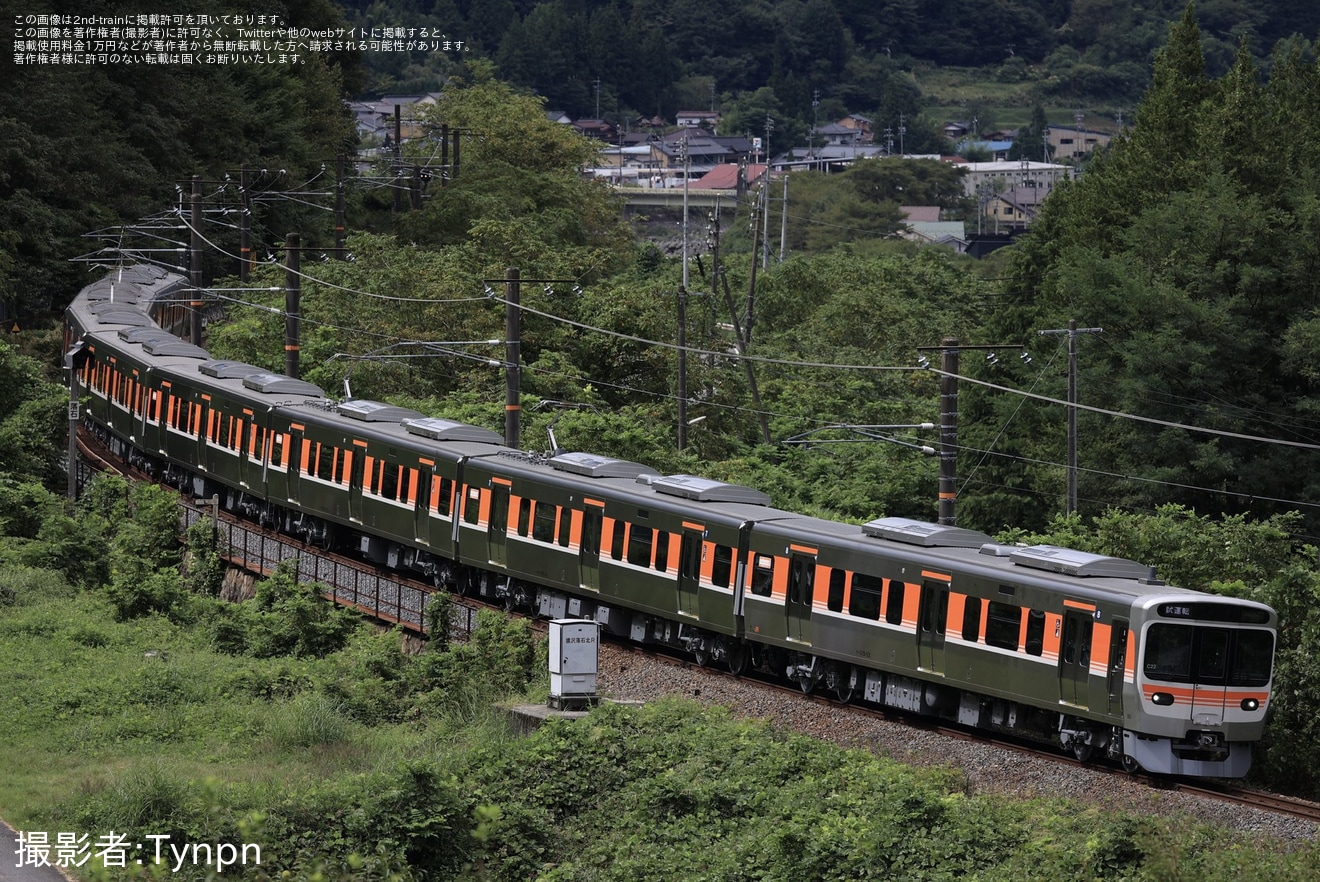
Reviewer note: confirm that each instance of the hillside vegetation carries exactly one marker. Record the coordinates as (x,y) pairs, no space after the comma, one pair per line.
(144,706)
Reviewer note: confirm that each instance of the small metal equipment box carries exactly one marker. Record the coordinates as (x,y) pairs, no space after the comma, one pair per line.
(574,657)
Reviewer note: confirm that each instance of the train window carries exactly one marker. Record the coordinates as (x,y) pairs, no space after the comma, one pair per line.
(325,462)
(1036,633)
(971,630)
(639,545)
(343,465)
(661,551)
(722,567)
(763,575)
(591,527)
(1212,655)
(442,499)
(801,580)
(1169,653)
(864,602)
(1252,652)
(1117,655)
(1003,625)
(472,508)
(543,530)
(838,580)
(894,607)
(616,542)
(389,481)
(524,515)
(565,527)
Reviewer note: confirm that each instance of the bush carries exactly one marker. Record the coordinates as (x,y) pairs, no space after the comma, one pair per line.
(285,618)
(311,720)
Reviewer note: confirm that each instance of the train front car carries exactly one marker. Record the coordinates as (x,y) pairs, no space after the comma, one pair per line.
(1203,673)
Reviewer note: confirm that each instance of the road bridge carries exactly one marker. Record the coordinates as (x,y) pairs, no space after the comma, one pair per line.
(642,197)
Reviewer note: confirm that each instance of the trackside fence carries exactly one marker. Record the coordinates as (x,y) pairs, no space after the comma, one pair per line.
(377,592)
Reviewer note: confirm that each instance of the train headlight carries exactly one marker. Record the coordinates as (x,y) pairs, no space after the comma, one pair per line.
(1250,704)
(1163,699)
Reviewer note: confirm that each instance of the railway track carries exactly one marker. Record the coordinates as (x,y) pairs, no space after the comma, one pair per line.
(392,597)
(1220,792)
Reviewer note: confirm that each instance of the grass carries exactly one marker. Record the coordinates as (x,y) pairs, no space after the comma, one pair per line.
(92,706)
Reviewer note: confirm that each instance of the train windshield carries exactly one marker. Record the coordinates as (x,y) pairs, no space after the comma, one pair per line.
(1216,656)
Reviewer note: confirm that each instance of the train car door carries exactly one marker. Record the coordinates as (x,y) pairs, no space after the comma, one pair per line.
(356,472)
(294,460)
(1118,641)
(249,455)
(1208,694)
(498,529)
(199,423)
(932,619)
(1075,657)
(798,597)
(422,507)
(593,519)
(689,569)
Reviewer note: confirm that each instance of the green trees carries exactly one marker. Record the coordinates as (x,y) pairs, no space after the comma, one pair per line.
(85,147)
(1189,242)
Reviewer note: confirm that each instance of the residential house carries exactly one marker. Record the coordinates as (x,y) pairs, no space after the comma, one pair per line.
(1013,209)
(594,128)
(861,125)
(735,177)
(377,119)
(698,119)
(835,135)
(703,153)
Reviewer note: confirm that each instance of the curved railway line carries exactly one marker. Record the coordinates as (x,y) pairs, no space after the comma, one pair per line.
(392,597)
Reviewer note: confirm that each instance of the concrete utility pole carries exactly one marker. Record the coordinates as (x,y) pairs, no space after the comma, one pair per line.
(682,363)
(1072,331)
(686,168)
(340,254)
(512,372)
(195,263)
(948,430)
(244,225)
(783,224)
(292,302)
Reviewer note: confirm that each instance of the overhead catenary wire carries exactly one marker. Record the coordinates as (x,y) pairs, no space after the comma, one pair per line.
(798,363)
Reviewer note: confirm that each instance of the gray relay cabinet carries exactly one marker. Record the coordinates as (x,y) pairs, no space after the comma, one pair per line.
(574,658)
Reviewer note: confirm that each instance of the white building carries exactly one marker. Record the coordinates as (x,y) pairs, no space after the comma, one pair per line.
(1014,175)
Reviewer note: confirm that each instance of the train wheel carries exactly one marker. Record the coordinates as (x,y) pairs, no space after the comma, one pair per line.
(1130,765)
(737,659)
(845,686)
(1082,751)
(702,657)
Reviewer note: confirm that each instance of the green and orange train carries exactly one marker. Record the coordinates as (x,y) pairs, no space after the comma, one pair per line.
(1094,651)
